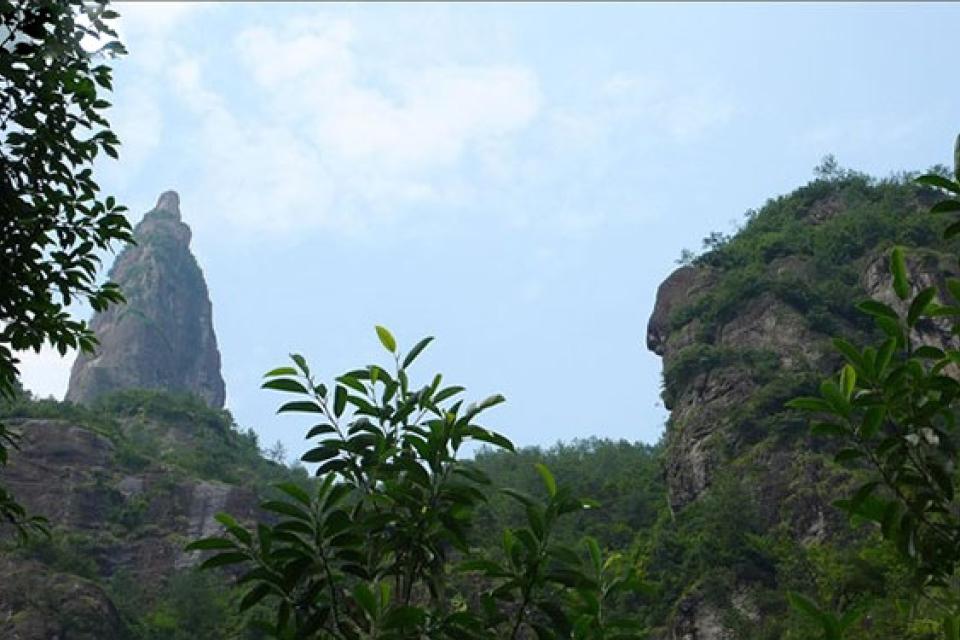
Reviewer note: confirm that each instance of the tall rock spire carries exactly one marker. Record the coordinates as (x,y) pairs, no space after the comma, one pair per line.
(162,338)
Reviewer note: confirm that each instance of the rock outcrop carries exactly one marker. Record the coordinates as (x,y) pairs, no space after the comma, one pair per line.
(729,371)
(163,337)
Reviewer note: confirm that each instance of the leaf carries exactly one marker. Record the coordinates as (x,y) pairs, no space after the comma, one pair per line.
(934,180)
(319,454)
(301,363)
(339,400)
(809,404)
(294,492)
(548,479)
(828,429)
(898,267)
(518,496)
(872,421)
(919,305)
(945,206)
(254,596)
(280,371)
(833,395)
(848,380)
(850,352)
(848,454)
(878,309)
(415,351)
(951,230)
(223,560)
(386,339)
(208,544)
(284,384)
(365,598)
(303,406)
(804,605)
(285,508)
(320,429)
(864,492)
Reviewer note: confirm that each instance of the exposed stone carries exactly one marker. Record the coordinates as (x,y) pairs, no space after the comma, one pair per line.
(163,337)
(73,477)
(39,604)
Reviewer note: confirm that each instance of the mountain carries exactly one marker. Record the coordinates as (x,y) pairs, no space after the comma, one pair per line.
(163,337)
(727,513)
(743,329)
(135,463)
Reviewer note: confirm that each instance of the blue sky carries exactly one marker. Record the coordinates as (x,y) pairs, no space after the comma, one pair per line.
(514,179)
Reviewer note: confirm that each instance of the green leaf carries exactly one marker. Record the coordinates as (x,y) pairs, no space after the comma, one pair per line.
(285,508)
(848,380)
(898,267)
(809,404)
(365,598)
(294,492)
(386,339)
(952,230)
(878,309)
(934,180)
(223,560)
(848,454)
(828,429)
(548,480)
(804,605)
(320,429)
(872,421)
(945,206)
(303,406)
(919,305)
(207,544)
(280,371)
(832,393)
(319,454)
(254,596)
(339,400)
(284,384)
(415,351)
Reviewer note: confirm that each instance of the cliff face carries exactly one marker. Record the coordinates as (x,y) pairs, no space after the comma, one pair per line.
(163,337)
(125,485)
(744,329)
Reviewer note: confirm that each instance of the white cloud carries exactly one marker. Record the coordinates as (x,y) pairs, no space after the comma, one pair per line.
(328,138)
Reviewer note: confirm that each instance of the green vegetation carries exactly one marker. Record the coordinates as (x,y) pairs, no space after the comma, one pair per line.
(53,223)
(894,408)
(172,441)
(380,548)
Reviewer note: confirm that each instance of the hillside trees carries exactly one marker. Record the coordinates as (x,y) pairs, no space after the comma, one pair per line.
(53,221)
(380,546)
(894,408)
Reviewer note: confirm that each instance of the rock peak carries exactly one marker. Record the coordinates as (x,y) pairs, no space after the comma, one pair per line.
(163,337)
(169,201)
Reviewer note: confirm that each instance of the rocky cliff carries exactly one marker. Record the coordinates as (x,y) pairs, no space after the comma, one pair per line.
(163,337)
(125,483)
(742,330)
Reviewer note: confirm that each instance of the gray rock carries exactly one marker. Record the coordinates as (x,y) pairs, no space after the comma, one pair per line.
(163,337)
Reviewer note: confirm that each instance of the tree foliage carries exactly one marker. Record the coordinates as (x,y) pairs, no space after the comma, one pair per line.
(52,219)
(894,408)
(381,547)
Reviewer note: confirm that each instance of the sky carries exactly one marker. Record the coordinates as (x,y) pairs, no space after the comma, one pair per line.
(513,179)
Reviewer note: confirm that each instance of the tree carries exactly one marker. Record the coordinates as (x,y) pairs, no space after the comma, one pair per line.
(379,546)
(53,222)
(894,407)
(277,453)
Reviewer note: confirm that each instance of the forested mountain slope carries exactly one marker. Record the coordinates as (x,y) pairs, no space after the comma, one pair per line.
(727,513)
